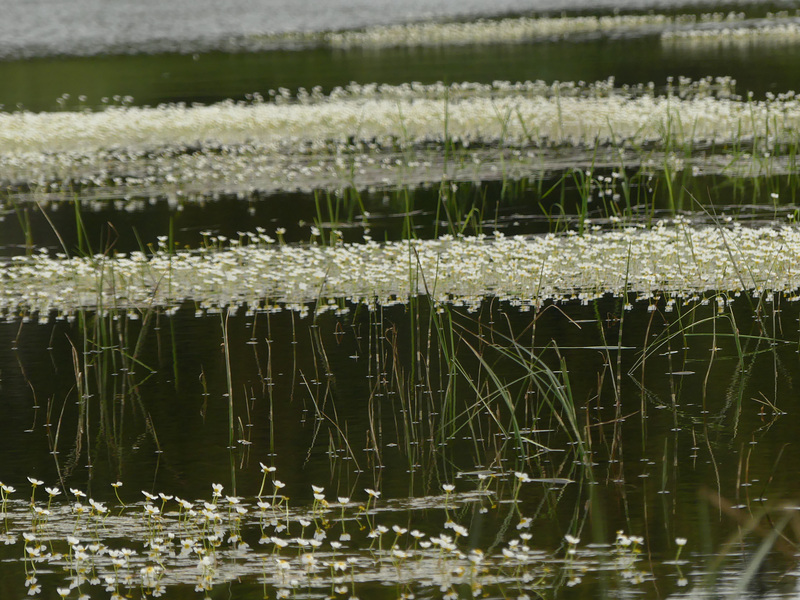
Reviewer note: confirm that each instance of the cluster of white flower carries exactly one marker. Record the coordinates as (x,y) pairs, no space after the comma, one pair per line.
(373,136)
(678,260)
(512,119)
(203,543)
(509,30)
(762,34)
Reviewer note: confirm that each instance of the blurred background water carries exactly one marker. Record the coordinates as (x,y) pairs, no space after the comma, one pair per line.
(94,25)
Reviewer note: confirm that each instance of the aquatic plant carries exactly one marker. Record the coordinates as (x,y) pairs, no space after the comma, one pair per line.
(676,260)
(187,543)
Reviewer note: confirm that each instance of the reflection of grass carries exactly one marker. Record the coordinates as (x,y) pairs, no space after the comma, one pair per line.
(107,368)
(772,524)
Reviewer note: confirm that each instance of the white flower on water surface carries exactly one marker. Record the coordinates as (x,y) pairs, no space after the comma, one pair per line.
(599,263)
(35,482)
(308,560)
(525,523)
(372,493)
(572,540)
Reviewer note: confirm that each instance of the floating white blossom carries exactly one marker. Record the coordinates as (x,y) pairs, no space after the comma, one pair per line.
(671,258)
(489,31)
(361,135)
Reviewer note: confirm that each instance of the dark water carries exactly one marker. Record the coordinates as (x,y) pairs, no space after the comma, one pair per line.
(37,83)
(526,207)
(665,425)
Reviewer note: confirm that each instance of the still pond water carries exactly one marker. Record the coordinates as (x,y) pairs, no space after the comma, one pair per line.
(580,446)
